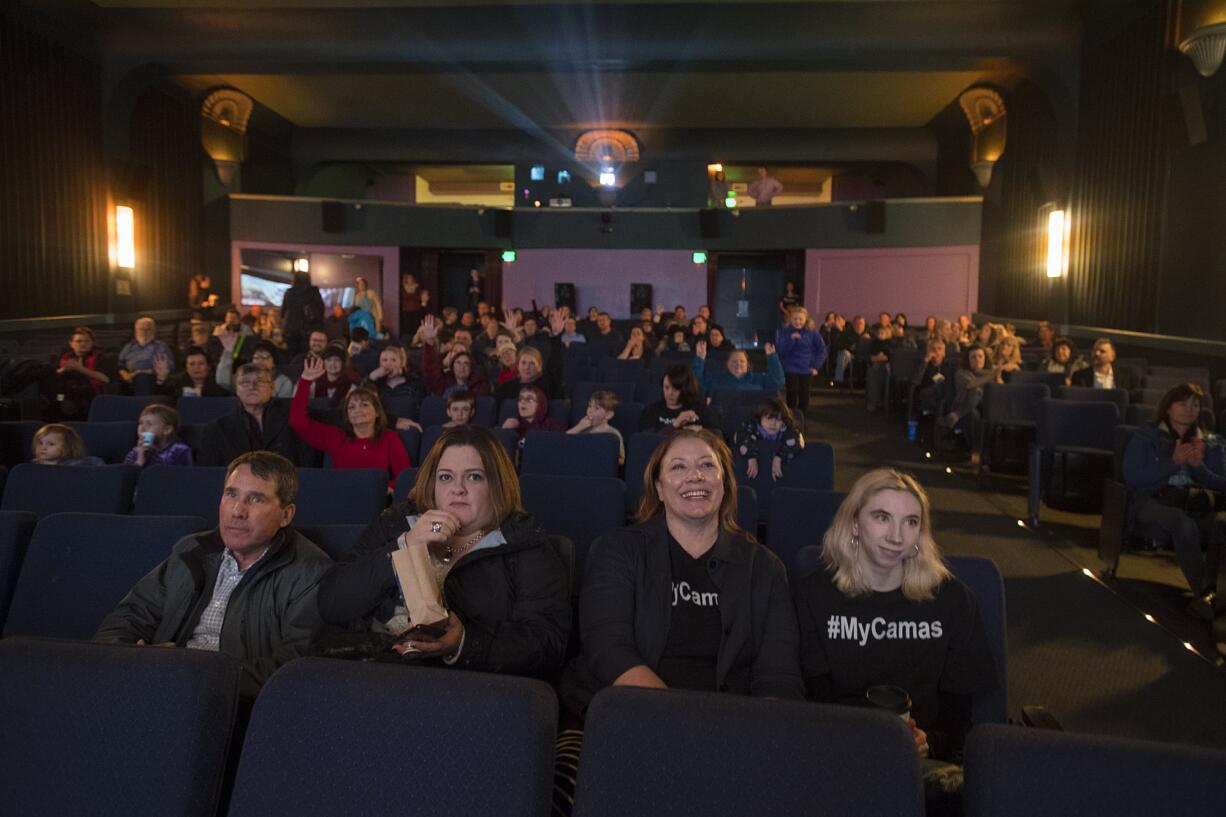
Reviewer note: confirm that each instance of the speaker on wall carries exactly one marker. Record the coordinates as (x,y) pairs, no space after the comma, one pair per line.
(641,297)
(504,223)
(708,223)
(874,217)
(332,216)
(564,295)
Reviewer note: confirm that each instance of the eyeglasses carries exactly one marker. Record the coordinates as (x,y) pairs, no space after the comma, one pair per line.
(252,383)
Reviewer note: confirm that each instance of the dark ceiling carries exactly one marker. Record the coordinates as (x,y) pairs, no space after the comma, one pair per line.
(370,77)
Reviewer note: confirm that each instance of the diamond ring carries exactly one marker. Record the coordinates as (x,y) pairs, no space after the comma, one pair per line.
(436,527)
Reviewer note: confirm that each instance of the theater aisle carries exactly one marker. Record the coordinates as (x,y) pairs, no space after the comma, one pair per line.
(1075,646)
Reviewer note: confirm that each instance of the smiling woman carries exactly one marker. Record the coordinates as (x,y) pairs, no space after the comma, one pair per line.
(654,610)
(885,610)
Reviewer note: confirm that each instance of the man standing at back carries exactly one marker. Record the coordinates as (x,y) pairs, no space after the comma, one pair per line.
(764,188)
(258,424)
(246,588)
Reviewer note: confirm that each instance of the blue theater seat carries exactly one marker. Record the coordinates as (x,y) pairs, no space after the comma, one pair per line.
(812,469)
(106,729)
(172,490)
(202,410)
(48,489)
(639,448)
(16,439)
(340,496)
(662,753)
(1072,455)
(579,455)
(80,565)
(16,527)
(799,517)
(110,441)
(404,484)
(1013,772)
(579,508)
(334,540)
(337,737)
(112,408)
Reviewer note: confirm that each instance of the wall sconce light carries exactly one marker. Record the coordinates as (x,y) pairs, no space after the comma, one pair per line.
(1058,224)
(302,264)
(985,113)
(1205,47)
(125,237)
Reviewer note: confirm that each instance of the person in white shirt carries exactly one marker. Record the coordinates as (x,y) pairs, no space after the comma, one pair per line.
(764,188)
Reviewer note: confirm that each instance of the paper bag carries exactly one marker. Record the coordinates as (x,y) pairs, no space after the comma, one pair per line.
(422,596)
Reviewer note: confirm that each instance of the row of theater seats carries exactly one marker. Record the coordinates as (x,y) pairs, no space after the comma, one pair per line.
(329,737)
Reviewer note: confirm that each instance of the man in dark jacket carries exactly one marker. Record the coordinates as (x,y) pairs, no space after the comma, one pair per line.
(1102,375)
(302,309)
(258,424)
(246,588)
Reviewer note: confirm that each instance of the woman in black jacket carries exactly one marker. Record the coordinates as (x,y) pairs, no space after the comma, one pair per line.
(685,599)
(504,584)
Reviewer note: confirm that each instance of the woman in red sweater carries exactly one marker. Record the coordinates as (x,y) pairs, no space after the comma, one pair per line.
(363,441)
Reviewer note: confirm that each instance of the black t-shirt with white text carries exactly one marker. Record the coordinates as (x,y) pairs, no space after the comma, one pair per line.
(694,631)
(849,644)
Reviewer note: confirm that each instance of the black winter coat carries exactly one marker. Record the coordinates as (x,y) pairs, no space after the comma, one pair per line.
(513,599)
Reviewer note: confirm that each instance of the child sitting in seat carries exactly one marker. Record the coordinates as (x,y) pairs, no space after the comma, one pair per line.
(532,414)
(601,407)
(57,444)
(157,433)
(461,405)
(771,419)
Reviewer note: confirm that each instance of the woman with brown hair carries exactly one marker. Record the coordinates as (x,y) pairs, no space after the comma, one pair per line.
(363,440)
(685,598)
(506,588)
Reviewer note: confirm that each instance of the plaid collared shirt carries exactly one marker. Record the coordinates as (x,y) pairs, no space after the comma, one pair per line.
(207,635)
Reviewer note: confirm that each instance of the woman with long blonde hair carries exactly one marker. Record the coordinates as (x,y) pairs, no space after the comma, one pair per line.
(884,609)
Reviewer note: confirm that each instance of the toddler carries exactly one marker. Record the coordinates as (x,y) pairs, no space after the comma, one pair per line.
(157,433)
(771,419)
(57,444)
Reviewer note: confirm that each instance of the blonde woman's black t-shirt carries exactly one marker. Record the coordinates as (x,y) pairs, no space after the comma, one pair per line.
(694,631)
(928,648)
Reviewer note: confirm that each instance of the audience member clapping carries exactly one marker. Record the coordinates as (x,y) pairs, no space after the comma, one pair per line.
(157,439)
(771,419)
(137,355)
(363,440)
(58,444)
(196,380)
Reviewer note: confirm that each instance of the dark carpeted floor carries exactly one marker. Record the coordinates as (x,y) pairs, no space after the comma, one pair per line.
(1078,646)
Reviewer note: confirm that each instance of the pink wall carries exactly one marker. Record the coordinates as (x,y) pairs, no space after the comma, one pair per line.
(920,281)
(603,277)
(391,268)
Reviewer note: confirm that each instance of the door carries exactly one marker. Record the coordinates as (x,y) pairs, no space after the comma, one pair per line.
(747,291)
(453,270)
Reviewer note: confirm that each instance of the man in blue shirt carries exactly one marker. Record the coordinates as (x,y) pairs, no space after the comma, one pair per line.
(735,376)
(137,355)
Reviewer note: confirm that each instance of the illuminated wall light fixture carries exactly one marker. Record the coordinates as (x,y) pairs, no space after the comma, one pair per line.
(125,237)
(1058,224)
(302,265)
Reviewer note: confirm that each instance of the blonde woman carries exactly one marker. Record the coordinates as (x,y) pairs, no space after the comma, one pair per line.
(1007,357)
(884,609)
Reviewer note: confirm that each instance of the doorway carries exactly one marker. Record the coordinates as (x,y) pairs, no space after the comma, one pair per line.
(747,291)
(453,270)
